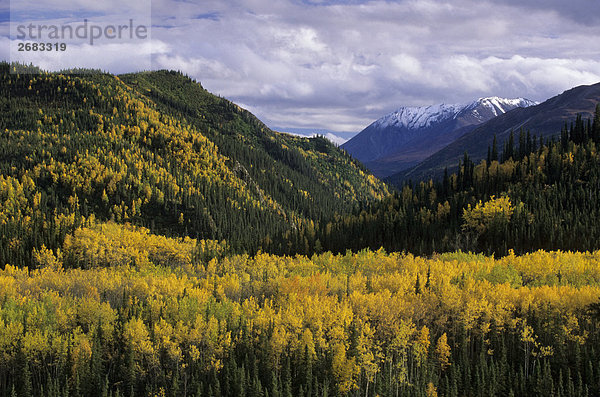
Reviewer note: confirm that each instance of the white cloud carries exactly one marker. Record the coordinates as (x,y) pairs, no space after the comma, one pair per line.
(209,68)
(345,65)
(338,65)
(408,66)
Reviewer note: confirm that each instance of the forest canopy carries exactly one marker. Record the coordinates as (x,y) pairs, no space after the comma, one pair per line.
(183,319)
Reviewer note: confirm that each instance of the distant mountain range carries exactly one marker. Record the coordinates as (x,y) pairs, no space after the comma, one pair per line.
(404,138)
(545,119)
(330,136)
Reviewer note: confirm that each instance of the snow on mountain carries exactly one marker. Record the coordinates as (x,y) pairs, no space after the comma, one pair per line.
(403,138)
(338,140)
(414,118)
(500,106)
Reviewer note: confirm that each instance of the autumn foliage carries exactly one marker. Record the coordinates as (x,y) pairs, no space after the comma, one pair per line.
(143,315)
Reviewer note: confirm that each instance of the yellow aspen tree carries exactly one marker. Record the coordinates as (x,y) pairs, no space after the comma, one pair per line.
(421,345)
(344,369)
(431,390)
(368,354)
(443,351)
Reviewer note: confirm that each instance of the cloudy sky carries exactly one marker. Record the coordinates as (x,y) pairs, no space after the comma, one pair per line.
(337,65)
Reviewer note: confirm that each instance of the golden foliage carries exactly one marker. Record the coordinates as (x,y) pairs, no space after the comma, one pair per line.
(197,312)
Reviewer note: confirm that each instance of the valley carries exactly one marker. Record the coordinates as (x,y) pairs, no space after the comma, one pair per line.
(159,240)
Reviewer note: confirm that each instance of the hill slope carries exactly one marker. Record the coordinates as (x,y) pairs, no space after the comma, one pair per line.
(407,136)
(158,150)
(544,196)
(546,119)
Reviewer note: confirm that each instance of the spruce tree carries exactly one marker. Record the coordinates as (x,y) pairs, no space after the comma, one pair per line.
(494,155)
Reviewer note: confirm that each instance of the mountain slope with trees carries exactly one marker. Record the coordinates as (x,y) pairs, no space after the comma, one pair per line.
(125,202)
(157,150)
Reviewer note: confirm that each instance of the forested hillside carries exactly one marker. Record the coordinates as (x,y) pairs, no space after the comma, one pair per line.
(528,194)
(155,149)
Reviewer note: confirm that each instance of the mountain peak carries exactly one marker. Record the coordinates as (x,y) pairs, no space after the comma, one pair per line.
(401,139)
(418,117)
(500,106)
(414,118)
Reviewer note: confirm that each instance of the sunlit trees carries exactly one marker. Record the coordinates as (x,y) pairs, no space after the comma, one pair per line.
(159,151)
(348,324)
(493,214)
(94,301)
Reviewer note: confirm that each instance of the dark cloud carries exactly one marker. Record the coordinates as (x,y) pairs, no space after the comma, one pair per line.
(212,16)
(578,11)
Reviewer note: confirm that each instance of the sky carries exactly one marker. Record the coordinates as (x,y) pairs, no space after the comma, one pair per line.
(338,65)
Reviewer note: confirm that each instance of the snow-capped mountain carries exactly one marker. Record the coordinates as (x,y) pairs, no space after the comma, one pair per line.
(338,140)
(546,119)
(407,136)
(422,117)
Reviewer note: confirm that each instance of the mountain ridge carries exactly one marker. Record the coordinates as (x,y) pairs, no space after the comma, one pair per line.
(416,117)
(403,138)
(544,119)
